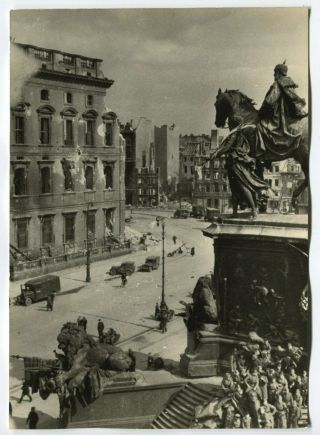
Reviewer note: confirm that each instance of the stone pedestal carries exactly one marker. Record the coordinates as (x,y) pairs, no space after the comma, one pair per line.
(273,253)
(207,354)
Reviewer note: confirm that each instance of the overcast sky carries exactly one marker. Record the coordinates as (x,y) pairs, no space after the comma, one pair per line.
(168,64)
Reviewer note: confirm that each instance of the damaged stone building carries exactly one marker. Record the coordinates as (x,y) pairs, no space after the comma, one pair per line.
(67,158)
(142,182)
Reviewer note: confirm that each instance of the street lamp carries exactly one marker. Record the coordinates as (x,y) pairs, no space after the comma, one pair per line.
(88,276)
(163,305)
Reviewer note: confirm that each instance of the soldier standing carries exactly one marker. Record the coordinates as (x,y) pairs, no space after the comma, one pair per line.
(100,328)
(163,320)
(25,392)
(32,419)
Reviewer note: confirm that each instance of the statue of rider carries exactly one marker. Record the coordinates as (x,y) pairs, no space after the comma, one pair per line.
(280,112)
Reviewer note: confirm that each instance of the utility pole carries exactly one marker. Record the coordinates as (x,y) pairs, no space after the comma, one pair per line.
(163,304)
(88,276)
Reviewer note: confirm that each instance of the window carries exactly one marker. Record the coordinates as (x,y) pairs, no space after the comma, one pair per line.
(47,230)
(44,94)
(68,132)
(89,100)
(216,203)
(68,60)
(185,159)
(19,129)
(90,128)
(89,177)
(108,173)
(87,63)
(209,202)
(139,181)
(192,170)
(69,227)
(91,224)
(45,179)
(269,182)
(276,183)
(109,220)
(108,134)
(207,188)
(216,175)
(42,54)
(216,187)
(22,233)
(276,168)
(186,169)
(68,98)
(216,164)
(20,181)
(45,131)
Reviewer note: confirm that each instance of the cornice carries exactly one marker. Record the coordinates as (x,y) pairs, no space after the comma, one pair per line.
(75,78)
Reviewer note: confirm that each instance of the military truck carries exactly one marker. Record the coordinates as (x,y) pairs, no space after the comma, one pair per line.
(38,289)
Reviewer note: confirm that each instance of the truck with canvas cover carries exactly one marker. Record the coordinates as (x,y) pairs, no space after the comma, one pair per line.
(38,289)
(127,267)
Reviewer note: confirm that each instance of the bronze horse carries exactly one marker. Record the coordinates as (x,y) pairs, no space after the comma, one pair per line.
(238,109)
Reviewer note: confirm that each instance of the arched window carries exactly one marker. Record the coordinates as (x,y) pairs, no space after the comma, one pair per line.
(45,116)
(20,181)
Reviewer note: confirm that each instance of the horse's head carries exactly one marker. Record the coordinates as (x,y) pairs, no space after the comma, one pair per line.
(234,106)
(223,108)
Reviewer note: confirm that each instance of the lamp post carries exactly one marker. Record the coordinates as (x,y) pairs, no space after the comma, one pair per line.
(163,304)
(88,276)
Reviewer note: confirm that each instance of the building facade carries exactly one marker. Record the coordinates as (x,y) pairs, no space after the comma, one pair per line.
(166,142)
(210,187)
(283,178)
(67,158)
(141,176)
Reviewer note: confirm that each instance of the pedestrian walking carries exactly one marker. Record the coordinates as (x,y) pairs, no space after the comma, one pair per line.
(192,251)
(163,320)
(174,239)
(124,279)
(132,366)
(32,419)
(25,392)
(100,328)
(49,304)
(10,409)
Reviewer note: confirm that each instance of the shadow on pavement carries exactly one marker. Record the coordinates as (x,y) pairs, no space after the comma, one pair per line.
(71,291)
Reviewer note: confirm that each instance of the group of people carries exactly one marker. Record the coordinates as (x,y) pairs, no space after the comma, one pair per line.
(267,386)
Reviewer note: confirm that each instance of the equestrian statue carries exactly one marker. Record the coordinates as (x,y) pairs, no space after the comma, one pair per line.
(275,132)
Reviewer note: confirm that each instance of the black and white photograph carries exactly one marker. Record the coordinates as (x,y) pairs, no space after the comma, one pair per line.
(159,218)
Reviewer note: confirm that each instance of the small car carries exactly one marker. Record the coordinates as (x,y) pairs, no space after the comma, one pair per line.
(151,263)
(197,211)
(128,267)
(38,289)
(181,214)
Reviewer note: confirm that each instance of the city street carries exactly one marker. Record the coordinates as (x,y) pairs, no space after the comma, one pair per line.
(128,310)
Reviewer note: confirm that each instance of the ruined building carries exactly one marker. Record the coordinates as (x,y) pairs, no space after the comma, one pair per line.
(67,157)
(142,182)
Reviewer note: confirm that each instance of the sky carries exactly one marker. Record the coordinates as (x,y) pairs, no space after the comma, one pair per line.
(168,64)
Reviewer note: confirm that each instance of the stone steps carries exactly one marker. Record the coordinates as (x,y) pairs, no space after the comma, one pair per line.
(179,412)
